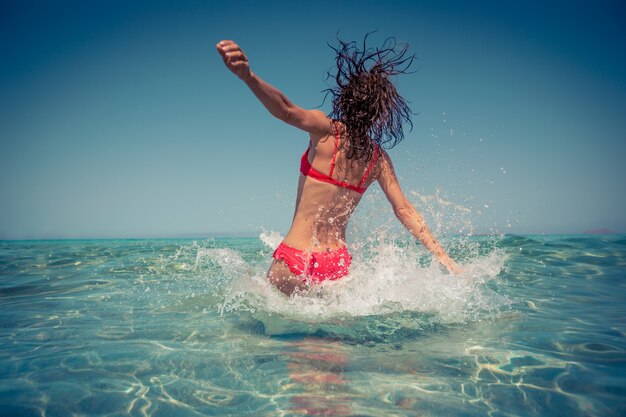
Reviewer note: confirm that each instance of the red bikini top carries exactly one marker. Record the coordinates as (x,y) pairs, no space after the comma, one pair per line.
(307,170)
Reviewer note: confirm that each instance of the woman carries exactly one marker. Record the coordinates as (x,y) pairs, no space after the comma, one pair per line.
(343,158)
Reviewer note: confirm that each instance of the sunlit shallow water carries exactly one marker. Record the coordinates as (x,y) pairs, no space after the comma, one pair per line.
(534,326)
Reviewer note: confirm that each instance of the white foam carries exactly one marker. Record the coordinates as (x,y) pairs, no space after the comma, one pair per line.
(389,274)
(271,239)
(384,278)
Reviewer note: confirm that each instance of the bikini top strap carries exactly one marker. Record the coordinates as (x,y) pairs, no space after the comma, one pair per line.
(332,163)
(371,165)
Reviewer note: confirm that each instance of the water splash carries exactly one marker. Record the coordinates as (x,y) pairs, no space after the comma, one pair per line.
(393,285)
(385,278)
(271,239)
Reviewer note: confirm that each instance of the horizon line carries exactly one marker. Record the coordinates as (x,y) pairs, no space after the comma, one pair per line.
(252,234)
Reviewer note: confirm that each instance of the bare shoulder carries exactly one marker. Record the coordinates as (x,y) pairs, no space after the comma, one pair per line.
(385,169)
(323,126)
(384,157)
(319,114)
(313,121)
(383,161)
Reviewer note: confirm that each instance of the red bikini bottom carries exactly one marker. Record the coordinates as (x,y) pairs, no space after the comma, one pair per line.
(318,266)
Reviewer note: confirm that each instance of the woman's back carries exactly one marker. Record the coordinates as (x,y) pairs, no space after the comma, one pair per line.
(342,160)
(329,189)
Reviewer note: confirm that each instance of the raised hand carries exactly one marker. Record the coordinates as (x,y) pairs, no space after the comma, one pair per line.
(234,59)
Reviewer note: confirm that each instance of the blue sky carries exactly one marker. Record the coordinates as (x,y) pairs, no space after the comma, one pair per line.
(118,119)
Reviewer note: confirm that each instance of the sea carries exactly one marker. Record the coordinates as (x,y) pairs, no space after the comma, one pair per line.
(535,325)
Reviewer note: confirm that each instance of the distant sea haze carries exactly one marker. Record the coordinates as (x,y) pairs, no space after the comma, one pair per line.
(598,232)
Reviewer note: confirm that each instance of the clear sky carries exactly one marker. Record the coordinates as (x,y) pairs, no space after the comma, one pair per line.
(118,118)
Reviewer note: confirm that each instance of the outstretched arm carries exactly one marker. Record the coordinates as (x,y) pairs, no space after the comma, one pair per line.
(312,121)
(409,216)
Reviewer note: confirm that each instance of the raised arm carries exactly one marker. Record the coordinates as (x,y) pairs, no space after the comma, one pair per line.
(409,216)
(312,121)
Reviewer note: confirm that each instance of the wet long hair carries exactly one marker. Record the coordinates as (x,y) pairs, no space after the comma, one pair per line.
(364,98)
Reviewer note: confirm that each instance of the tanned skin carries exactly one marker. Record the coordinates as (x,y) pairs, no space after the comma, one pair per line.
(323,210)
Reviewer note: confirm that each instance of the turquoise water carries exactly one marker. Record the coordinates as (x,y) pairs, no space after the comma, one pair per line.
(535,326)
